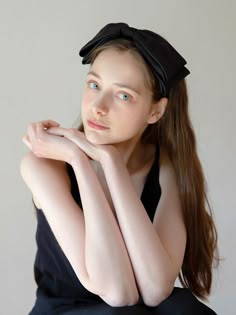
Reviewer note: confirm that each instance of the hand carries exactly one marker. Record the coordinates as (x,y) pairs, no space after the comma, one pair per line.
(46,145)
(94,151)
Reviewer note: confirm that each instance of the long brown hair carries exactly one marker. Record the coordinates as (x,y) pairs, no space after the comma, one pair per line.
(174,133)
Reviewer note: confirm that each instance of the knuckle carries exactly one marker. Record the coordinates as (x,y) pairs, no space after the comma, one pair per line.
(30,125)
(39,139)
(37,144)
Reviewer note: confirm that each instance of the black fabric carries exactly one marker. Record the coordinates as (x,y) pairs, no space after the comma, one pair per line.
(59,290)
(168,65)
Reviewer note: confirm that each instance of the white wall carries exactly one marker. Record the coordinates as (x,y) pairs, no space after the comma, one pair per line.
(41,77)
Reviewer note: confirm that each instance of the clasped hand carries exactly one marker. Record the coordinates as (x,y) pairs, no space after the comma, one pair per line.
(47,139)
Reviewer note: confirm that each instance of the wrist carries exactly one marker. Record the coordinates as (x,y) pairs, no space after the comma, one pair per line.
(110,158)
(77,156)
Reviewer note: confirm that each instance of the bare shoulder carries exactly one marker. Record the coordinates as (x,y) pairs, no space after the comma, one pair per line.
(36,166)
(167,174)
(164,158)
(170,201)
(40,173)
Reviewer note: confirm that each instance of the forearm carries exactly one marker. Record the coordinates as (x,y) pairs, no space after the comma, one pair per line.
(150,260)
(106,258)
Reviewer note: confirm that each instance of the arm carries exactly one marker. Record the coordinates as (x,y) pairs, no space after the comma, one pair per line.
(104,241)
(156,250)
(94,245)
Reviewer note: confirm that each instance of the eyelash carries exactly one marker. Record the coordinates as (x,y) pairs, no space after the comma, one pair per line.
(129,96)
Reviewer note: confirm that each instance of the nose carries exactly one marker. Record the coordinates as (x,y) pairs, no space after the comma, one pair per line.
(100,106)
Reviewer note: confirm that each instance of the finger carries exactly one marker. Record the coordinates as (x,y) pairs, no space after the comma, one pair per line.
(35,133)
(50,123)
(59,131)
(40,129)
(26,141)
(31,132)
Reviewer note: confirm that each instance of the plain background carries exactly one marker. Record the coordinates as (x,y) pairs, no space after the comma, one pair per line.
(41,77)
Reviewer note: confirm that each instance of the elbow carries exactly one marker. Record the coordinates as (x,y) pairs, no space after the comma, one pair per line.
(117,301)
(157,295)
(124,298)
(130,298)
(127,299)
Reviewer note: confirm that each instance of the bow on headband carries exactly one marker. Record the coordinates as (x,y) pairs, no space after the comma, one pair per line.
(167,63)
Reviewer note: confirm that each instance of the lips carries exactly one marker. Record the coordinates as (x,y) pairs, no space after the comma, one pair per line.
(96,123)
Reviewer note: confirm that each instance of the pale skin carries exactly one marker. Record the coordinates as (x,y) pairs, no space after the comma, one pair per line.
(113,247)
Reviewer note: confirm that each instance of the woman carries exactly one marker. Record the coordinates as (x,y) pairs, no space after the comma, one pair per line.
(121,201)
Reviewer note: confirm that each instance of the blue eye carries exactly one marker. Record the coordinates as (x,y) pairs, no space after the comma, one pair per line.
(125,96)
(93,85)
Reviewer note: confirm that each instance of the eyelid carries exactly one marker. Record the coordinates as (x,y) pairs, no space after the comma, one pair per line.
(91,77)
(123,92)
(119,92)
(92,81)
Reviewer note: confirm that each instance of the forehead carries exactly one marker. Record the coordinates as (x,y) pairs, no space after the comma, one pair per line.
(119,66)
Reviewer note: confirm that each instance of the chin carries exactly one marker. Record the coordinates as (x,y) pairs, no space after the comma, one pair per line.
(95,139)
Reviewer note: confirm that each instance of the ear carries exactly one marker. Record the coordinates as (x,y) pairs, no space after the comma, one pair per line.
(157,110)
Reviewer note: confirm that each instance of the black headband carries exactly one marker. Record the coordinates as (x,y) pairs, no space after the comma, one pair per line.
(168,65)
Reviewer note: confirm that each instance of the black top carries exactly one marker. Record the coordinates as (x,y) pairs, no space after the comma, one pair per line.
(58,285)
(59,290)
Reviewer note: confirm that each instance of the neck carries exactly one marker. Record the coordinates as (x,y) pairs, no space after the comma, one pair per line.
(135,154)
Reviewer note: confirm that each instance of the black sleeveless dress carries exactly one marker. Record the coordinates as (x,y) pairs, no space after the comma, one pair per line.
(59,291)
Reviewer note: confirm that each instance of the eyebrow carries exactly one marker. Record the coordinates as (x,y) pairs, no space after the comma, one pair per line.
(121,85)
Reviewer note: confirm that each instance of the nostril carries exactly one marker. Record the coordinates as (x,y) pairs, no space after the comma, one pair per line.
(99,108)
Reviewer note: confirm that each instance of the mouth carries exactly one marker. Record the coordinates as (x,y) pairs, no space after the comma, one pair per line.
(96,125)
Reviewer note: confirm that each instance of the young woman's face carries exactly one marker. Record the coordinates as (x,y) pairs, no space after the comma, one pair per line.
(115,96)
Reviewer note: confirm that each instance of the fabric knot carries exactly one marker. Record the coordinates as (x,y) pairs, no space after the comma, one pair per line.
(167,64)
(128,32)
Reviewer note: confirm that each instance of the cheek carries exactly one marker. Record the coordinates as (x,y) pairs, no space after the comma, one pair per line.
(84,106)
(86,98)
(138,122)
(138,117)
